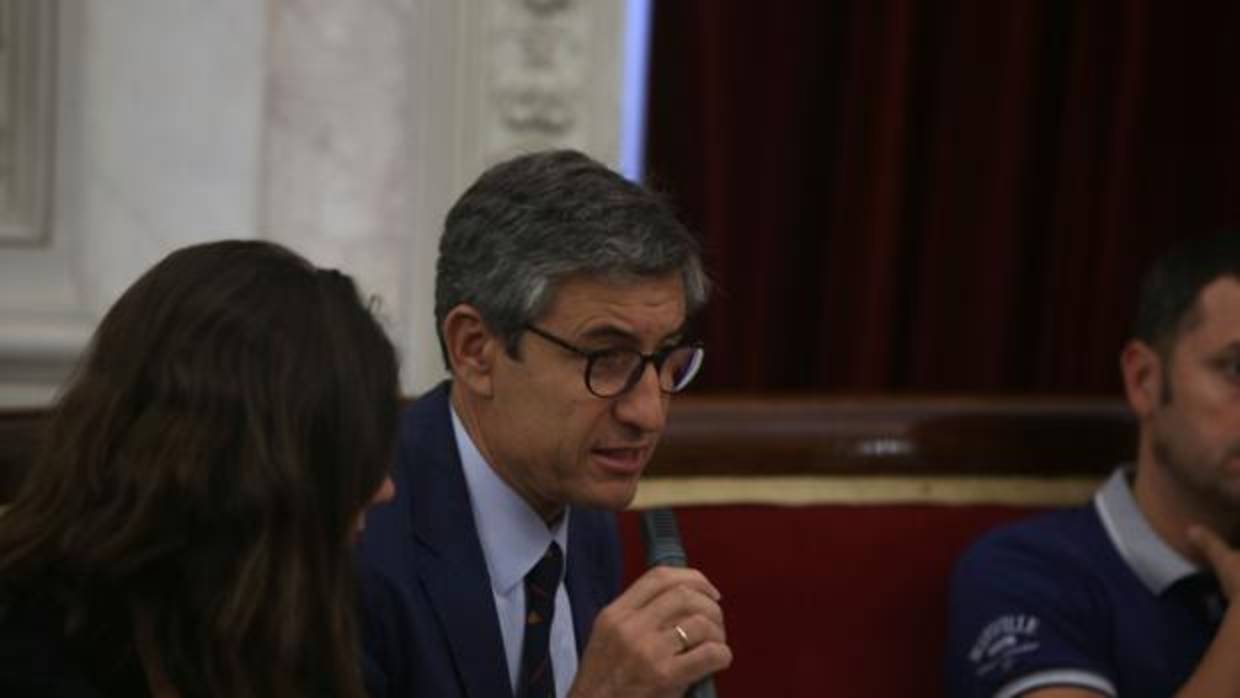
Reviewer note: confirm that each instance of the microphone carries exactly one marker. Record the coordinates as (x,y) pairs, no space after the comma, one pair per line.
(661,536)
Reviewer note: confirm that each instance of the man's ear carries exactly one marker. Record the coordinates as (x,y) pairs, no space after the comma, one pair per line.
(1144,379)
(471,347)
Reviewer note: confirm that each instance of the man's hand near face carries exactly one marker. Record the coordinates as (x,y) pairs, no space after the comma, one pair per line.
(1222,559)
(1218,675)
(635,649)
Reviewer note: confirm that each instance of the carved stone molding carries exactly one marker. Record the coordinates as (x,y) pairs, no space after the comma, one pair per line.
(27,109)
(535,71)
(492,78)
(546,59)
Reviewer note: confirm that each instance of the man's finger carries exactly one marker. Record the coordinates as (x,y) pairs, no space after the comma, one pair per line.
(703,660)
(689,632)
(680,602)
(657,580)
(1205,542)
(1209,544)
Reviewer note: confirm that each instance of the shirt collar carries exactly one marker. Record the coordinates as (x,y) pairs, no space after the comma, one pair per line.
(512,534)
(1157,564)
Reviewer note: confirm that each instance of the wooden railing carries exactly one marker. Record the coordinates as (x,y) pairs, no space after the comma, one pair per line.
(753,436)
(883,435)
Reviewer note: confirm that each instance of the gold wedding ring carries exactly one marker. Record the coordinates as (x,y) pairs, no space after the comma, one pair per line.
(685,645)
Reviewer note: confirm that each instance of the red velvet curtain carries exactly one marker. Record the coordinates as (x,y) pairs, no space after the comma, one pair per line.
(939,196)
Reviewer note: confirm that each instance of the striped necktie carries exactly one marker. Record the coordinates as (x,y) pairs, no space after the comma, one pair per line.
(537,678)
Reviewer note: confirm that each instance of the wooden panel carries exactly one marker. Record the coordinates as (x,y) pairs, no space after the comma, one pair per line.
(828,436)
(894,436)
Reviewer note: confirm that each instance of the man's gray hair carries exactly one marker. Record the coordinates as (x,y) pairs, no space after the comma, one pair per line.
(536,219)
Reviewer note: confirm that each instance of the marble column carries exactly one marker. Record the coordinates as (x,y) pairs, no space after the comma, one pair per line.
(380,113)
(337,154)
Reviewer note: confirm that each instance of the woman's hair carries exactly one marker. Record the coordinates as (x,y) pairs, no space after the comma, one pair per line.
(205,469)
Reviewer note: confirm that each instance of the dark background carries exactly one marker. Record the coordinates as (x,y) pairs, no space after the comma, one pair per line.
(950,196)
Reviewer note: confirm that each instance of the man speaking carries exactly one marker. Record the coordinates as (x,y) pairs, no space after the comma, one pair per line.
(561,296)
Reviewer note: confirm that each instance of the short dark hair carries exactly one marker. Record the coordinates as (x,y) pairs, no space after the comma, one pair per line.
(536,219)
(206,465)
(1172,287)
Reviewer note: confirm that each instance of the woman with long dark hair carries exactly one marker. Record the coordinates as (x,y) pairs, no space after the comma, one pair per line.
(187,528)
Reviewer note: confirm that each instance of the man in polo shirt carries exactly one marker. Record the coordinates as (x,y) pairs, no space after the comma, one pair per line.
(1128,596)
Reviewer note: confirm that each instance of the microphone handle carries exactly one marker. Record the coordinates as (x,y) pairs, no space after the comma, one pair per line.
(662,538)
(702,689)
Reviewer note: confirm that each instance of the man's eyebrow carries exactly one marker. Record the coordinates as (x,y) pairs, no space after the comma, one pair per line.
(1228,350)
(622,336)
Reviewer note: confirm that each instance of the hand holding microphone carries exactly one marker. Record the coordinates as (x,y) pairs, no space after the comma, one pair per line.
(661,536)
(664,635)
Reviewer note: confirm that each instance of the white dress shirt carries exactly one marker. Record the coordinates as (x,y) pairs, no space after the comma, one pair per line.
(513,539)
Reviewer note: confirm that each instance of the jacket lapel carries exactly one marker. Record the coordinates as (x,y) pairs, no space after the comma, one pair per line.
(589,579)
(450,565)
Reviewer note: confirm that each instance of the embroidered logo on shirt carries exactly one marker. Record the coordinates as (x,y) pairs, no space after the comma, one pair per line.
(1003,641)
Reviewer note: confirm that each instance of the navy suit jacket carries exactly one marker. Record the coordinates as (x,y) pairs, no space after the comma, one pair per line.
(429,625)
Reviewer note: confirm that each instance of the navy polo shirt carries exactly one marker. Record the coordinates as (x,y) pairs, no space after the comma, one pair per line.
(1088,597)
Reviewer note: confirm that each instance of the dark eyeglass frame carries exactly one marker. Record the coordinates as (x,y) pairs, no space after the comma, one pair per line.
(656,358)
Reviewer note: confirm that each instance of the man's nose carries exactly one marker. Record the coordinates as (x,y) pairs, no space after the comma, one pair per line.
(644,406)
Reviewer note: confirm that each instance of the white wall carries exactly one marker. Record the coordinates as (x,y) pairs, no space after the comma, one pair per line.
(342,128)
(158,121)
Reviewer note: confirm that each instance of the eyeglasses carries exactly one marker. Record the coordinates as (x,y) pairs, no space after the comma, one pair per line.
(611,372)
